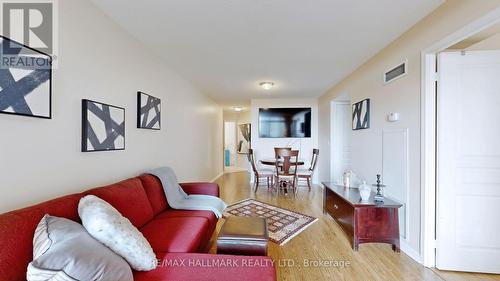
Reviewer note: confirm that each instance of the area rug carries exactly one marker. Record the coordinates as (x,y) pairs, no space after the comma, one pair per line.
(282,224)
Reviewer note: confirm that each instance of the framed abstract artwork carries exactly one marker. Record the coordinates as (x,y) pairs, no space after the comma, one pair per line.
(361,115)
(148,112)
(244,136)
(25,80)
(103,127)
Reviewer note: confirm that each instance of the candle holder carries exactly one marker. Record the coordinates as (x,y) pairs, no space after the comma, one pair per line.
(378,197)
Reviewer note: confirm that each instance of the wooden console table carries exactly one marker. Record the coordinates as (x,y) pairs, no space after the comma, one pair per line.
(363,222)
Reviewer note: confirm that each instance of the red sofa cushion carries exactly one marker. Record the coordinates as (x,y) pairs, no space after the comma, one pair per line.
(154,191)
(18,227)
(205,267)
(212,222)
(176,235)
(171,213)
(129,198)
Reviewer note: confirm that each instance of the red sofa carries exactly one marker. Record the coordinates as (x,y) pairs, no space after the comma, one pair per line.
(179,238)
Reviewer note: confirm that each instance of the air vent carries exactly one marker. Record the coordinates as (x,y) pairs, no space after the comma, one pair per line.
(396,72)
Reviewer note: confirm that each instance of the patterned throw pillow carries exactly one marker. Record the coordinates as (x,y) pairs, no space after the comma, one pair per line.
(63,250)
(108,226)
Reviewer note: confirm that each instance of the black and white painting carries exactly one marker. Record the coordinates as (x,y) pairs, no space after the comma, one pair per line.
(361,115)
(103,127)
(148,111)
(25,80)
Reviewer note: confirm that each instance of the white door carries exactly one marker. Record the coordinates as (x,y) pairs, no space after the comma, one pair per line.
(340,139)
(468,185)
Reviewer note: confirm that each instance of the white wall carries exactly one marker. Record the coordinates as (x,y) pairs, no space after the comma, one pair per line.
(41,159)
(264,147)
(490,43)
(403,96)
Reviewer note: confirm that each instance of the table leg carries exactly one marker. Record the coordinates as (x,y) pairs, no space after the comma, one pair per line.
(395,248)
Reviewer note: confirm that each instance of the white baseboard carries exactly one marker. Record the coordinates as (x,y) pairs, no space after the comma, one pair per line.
(216,177)
(405,247)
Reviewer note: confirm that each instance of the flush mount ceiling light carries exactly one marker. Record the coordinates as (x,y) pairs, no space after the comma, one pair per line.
(266,85)
(238,109)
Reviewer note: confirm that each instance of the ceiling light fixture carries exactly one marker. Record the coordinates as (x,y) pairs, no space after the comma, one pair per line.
(266,85)
(238,109)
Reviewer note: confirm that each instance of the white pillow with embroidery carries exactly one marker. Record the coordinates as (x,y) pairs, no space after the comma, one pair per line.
(108,226)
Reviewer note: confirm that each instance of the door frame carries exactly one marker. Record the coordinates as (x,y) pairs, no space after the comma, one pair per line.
(428,131)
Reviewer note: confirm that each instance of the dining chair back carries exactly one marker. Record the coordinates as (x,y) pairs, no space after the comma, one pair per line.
(286,167)
(285,148)
(251,159)
(262,173)
(281,148)
(308,174)
(288,160)
(314,159)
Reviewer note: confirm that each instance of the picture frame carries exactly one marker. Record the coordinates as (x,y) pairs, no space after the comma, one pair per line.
(26,87)
(244,136)
(148,111)
(361,115)
(103,126)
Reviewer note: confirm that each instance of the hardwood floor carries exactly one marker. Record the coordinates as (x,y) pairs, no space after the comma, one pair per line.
(325,241)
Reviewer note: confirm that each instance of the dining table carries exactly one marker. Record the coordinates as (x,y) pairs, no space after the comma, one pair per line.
(272,162)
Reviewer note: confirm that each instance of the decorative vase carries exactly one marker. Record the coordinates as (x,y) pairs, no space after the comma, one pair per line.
(364,191)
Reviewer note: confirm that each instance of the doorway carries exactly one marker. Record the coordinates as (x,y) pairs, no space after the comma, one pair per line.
(236,140)
(340,138)
(229,145)
(459,162)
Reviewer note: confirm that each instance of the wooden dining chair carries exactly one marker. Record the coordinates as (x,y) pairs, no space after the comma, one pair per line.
(281,148)
(285,148)
(268,174)
(286,168)
(308,173)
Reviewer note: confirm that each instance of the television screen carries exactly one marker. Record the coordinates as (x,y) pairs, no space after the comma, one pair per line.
(285,122)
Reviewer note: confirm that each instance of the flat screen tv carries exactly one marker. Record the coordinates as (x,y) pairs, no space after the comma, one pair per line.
(285,122)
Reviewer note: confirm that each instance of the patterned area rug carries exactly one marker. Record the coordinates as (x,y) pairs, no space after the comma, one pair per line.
(282,224)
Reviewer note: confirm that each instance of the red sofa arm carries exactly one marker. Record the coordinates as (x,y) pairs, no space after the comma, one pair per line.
(205,188)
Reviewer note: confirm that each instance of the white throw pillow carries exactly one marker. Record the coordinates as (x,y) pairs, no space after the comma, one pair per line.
(63,250)
(108,226)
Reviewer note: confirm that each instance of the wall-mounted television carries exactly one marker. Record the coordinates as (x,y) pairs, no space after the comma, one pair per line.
(285,122)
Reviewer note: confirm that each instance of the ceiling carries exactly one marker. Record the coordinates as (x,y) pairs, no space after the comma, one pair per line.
(226,47)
